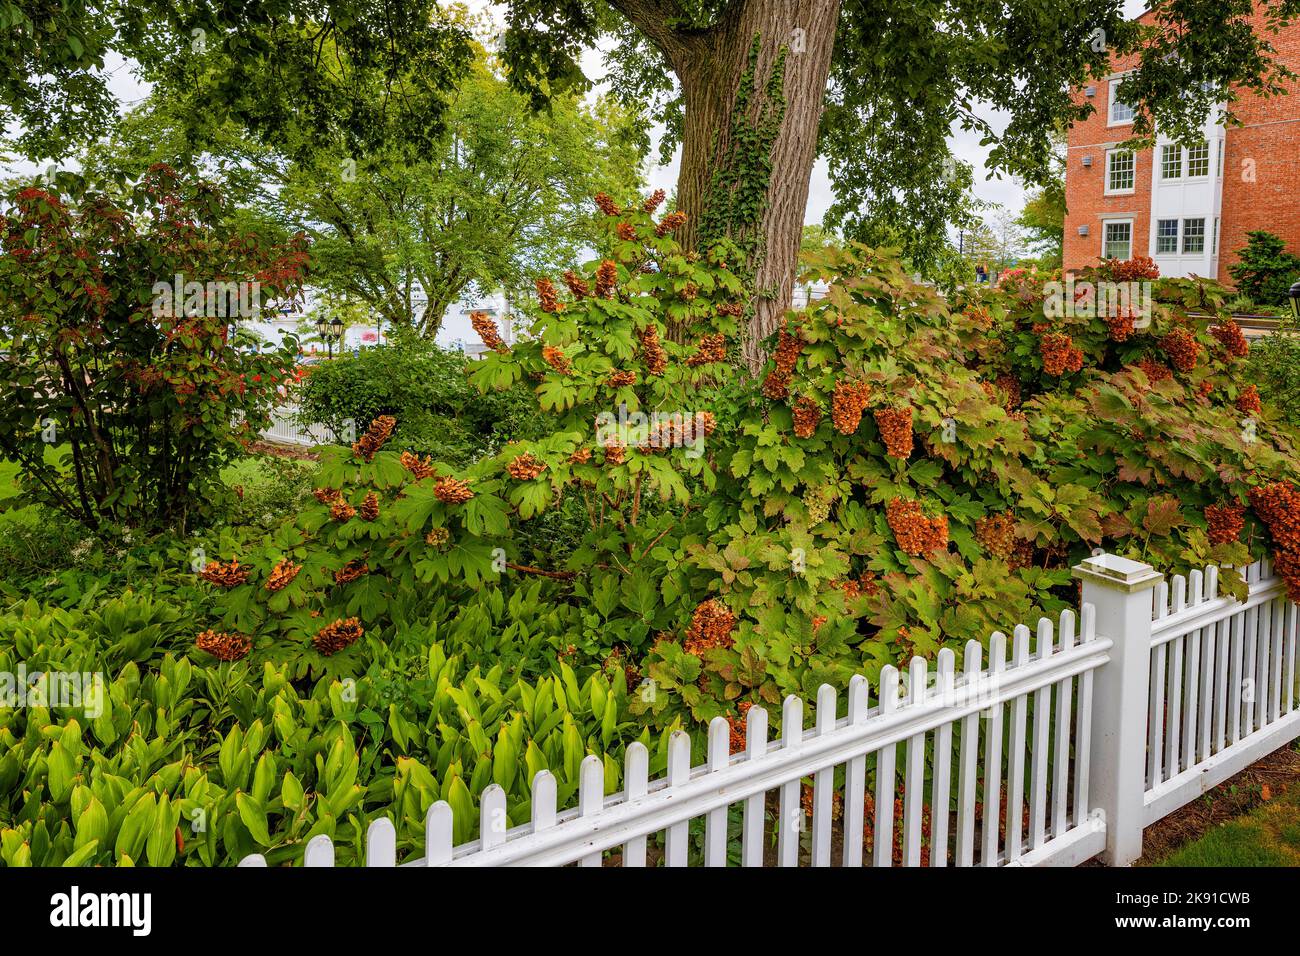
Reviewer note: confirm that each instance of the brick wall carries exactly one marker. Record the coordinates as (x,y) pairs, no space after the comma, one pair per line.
(1261,170)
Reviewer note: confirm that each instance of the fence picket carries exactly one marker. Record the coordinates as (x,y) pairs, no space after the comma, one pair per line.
(787,847)
(1041,745)
(1061,751)
(966,768)
(1249,692)
(993,753)
(492,816)
(884,834)
(591,794)
(679,774)
(751,851)
(942,782)
(636,780)
(1290,657)
(438,833)
(1263,655)
(715,822)
(1192,685)
(381,843)
(1083,730)
(823,782)
(914,774)
(1275,661)
(319,852)
(1016,752)
(855,776)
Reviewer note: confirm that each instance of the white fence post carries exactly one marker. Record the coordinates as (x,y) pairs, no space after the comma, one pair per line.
(1120,592)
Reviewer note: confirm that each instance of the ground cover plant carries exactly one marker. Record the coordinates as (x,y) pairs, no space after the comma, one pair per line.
(906,474)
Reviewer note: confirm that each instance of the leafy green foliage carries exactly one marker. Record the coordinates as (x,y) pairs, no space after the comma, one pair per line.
(1265,270)
(146,401)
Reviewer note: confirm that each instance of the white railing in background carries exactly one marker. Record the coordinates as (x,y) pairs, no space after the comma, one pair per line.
(1064,750)
(286,430)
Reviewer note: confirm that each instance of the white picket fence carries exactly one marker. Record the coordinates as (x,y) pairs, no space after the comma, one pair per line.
(286,431)
(1063,750)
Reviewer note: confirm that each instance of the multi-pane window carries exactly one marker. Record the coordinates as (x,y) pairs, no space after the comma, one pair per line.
(1214,242)
(1119,112)
(1171,162)
(1166,236)
(1193,236)
(1220,169)
(1121,166)
(1117,243)
(1198,160)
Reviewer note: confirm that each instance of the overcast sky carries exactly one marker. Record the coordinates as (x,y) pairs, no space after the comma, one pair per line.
(1004,191)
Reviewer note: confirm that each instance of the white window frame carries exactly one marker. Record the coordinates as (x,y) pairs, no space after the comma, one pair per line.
(1164,165)
(1204,229)
(1209,162)
(1118,221)
(1120,192)
(1114,101)
(1177,237)
(1214,242)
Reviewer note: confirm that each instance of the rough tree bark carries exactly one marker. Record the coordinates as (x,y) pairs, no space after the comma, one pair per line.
(710,64)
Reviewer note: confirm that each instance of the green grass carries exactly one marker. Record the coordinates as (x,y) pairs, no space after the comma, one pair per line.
(1267,836)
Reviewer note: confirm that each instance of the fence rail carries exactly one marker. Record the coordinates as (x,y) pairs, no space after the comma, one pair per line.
(1056,747)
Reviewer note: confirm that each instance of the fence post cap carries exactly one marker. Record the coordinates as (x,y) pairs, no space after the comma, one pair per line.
(1114,571)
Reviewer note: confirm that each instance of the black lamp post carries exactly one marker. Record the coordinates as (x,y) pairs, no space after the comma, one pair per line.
(1295,302)
(330,332)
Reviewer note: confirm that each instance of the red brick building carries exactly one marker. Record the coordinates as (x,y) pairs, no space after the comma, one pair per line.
(1189,208)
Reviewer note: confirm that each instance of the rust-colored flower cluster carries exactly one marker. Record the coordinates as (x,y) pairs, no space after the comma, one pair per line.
(354,569)
(525,467)
(437,537)
(1279,505)
(1231,338)
(979,317)
(1248,401)
(895,426)
(997,534)
(1182,348)
(654,202)
(1060,354)
(452,491)
(333,638)
(1225,521)
(777,384)
(621,379)
(224,646)
(282,575)
(855,588)
(556,359)
(848,402)
(487,331)
(615,452)
(1205,389)
(807,416)
(577,285)
(227,575)
(670,223)
(656,359)
(420,468)
(326,496)
(626,231)
(580,457)
(340,510)
(712,348)
(369,510)
(1155,371)
(606,279)
(1009,385)
(913,530)
(1120,326)
(547,297)
(376,436)
(711,626)
(738,726)
(606,204)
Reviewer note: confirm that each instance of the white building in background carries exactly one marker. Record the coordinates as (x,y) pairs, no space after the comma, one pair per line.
(456,331)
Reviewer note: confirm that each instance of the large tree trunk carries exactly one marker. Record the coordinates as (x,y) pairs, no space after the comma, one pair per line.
(710,66)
